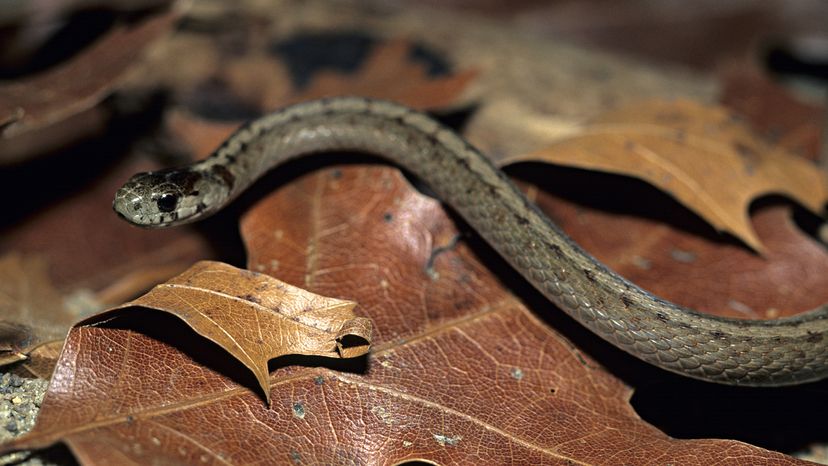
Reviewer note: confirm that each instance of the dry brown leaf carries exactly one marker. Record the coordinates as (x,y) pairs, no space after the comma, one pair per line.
(48,100)
(386,73)
(460,371)
(699,154)
(41,361)
(255,317)
(32,310)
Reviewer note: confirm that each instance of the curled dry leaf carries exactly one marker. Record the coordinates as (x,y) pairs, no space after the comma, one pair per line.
(48,100)
(255,317)
(701,155)
(460,370)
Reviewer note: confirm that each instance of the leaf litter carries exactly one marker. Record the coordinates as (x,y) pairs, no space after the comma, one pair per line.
(418,394)
(423,324)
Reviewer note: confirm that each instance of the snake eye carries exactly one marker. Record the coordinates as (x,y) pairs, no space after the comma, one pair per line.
(167,202)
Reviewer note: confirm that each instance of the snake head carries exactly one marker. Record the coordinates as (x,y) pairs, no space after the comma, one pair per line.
(167,197)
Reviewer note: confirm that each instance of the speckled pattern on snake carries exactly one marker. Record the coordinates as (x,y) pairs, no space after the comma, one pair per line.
(738,352)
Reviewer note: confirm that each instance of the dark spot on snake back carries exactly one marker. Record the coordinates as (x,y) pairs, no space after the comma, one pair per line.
(185,180)
(223,174)
(626,300)
(432,139)
(814,337)
(555,249)
(521,219)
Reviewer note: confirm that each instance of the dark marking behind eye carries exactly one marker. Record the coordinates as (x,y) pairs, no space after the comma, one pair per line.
(184,180)
(167,202)
(224,175)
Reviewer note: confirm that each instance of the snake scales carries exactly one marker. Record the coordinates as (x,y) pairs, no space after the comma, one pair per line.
(739,352)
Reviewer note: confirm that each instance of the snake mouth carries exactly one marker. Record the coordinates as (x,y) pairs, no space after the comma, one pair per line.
(119,214)
(133,219)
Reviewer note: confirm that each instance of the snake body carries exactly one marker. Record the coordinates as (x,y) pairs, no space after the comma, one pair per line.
(730,351)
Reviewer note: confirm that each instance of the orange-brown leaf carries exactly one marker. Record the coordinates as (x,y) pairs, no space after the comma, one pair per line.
(257,318)
(699,154)
(456,356)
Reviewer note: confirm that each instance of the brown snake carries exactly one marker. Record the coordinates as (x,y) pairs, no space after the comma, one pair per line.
(739,352)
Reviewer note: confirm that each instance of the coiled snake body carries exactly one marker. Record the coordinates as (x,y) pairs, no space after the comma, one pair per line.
(759,353)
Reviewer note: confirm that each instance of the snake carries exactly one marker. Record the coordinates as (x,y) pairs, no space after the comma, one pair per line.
(730,351)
